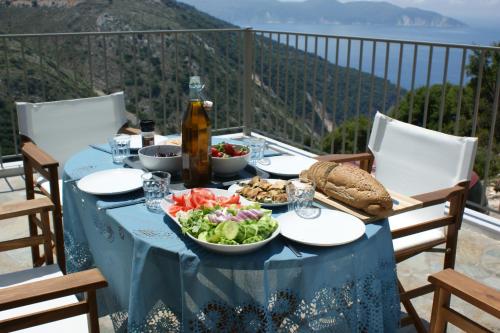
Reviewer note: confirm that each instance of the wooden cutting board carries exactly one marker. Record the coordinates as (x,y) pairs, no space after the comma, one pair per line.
(401,204)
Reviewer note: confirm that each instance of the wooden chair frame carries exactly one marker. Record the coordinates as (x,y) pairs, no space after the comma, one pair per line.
(83,282)
(450,282)
(456,196)
(37,161)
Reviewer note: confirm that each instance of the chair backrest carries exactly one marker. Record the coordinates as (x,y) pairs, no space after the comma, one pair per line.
(62,128)
(413,160)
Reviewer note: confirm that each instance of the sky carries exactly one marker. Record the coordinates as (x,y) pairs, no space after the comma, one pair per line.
(471,10)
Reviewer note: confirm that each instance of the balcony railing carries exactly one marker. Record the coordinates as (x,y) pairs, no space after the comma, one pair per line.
(299,88)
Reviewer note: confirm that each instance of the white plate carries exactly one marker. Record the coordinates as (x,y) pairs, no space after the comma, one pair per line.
(221,248)
(113,181)
(136,140)
(235,187)
(330,228)
(286,165)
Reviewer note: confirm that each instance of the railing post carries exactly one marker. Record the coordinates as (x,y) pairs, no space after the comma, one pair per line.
(248,110)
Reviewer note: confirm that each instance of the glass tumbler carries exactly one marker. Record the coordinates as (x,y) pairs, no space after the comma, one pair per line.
(300,194)
(257,147)
(120,147)
(156,187)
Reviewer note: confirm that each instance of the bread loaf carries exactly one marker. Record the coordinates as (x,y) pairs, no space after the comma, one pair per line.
(350,185)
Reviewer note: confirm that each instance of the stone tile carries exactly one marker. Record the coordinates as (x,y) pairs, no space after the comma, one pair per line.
(10,184)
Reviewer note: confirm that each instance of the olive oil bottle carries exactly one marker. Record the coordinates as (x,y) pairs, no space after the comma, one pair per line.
(196,138)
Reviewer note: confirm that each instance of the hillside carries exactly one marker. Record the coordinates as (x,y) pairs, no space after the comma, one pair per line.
(153,68)
(322,11)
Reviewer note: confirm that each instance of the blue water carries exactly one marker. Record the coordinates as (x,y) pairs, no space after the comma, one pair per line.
(469,35)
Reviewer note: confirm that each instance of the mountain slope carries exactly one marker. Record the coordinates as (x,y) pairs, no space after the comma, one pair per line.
(322,11)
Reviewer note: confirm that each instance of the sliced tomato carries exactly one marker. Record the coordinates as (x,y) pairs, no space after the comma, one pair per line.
(174,209)
(179,199)
(229,149)
(240,152)
(200,201)
(209,204)
(234,199)
(215,152)
(203,192)
(191,199)
(188,204)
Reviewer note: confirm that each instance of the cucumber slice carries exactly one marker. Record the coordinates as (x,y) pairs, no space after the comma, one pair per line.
(218,228)
(212,237)
(203,236)
(230,230)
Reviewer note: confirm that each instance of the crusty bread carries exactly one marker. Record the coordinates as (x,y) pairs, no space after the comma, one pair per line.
(350,185)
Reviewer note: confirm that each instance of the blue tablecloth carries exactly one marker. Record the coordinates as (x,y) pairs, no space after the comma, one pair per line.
(161,281)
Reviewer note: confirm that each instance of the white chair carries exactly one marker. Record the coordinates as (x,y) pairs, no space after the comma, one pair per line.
(62,128)
(42,299)
(427,165)
(53,131)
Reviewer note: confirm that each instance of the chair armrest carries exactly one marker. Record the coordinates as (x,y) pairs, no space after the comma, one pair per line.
(339,158)
(26,207)
(441,196)
(34,292)
(473,292)
(129,130)
(36,155)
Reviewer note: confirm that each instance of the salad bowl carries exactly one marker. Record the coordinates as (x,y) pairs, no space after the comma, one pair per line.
(220,248)
(228,159)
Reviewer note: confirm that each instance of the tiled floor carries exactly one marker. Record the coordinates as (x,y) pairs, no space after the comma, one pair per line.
(478,256)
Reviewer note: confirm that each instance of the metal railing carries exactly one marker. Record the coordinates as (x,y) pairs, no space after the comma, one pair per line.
(314,91)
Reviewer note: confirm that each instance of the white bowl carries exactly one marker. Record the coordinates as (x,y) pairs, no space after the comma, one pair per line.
(154,163)
(228,166)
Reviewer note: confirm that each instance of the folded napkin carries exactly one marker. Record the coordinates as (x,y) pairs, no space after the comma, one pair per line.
(102,205)
(102,147)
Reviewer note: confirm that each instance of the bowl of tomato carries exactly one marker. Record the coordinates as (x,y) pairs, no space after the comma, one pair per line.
(228,159)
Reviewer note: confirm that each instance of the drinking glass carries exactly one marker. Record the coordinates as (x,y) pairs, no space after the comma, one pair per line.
(300,194)
(120,147)
(257,147)
(156,187)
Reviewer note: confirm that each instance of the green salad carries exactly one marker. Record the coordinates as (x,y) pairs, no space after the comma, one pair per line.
(230,226)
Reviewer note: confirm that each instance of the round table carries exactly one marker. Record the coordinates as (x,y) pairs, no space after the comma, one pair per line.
(161,281)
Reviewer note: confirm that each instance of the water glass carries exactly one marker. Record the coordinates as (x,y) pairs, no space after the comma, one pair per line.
(257,147)
(156,187)
(300,194)
(120,147)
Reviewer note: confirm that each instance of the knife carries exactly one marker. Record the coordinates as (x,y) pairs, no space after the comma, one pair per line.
(122,204)
(293,249)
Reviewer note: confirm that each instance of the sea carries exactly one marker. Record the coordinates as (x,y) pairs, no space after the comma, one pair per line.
(484,34)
